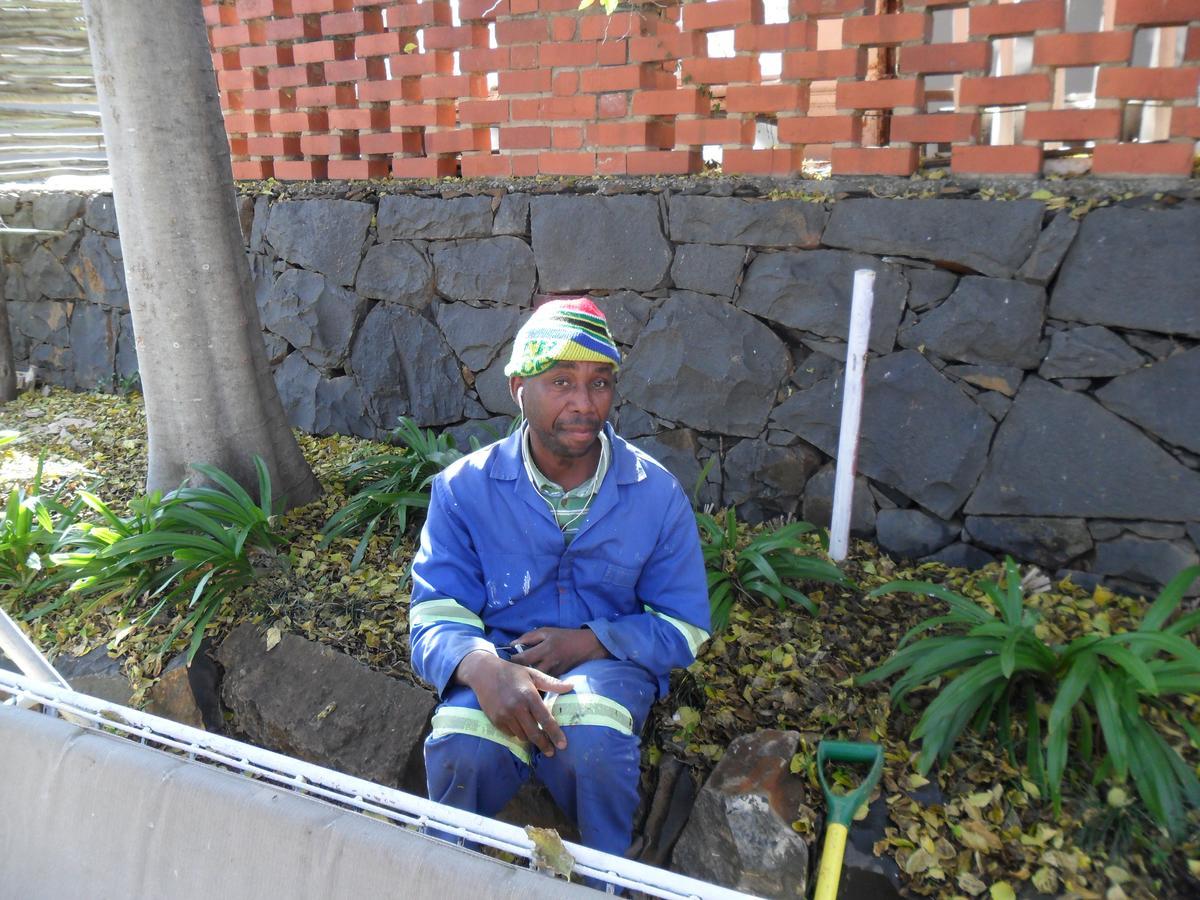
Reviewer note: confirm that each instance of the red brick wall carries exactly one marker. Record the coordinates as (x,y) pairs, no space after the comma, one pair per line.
(316,89)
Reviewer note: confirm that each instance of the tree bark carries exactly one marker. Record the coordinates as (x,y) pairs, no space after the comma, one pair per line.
(209,394)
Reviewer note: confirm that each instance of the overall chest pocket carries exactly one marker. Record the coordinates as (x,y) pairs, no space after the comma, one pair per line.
(620,576)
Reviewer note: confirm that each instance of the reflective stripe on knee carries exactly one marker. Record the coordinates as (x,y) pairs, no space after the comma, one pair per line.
(464,720)
(590,709)
(444,610)
(693,635)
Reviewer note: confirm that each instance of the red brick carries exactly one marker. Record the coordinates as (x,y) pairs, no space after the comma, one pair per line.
(329,95)
(522,31)
(293,76)
(353,23)
(434,87)
(662,47)
(472,112)
(266,55)
(379,44)
(612,106)
(226,59)
(302,7)
(452,37)
(219,14)
(328,144)
(1017,18)
(1148,84)
(1005,90)
(631,134)
(1156,12)
(413,15)
(1072,124)
(1142,159)
(1015,160)
(486,165)
(524,137)
(822,65)
(888,94)
(1082,49)
(524,165)
(389,142)
(698,132)
(358,169)
(663,162)
(530,81)
(820,129)
(565,84)
(322,51)
(253,169)
(827,8)
(721,14)
(563,28)
(874,160)
(566,137)
(422,114)
(239,146)
(599,27)
(242,80)
(886,30)
(767,98)
(355,69)
(309,120)
(232,35)
(936,128)
(778,161)
(488,10)
(1185,122)
(301,169)
(617,78)
(683,101)
(260,9)
(247,122)
(721,71)
(567,54)
(1191,50)
(273,145)
(483,59)
(391,89)
(457,140)
(421,64)
(945,59)
(523,56)
(278,99)
(556,163)
(553,6)
(770,38)
(611,163)
(580,107)
(293,29)
(612,52)
(424,167)
(375,119)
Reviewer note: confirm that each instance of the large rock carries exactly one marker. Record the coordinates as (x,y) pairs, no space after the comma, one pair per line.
(678,450)
(598,243)
(1051,543)
(985,320)
(1163,398)
(127,360)
(928,287)
(55,210)
(398,272)
(1146,561)
(404,367)
(46,277)
(810,291)
(433,219)
(46,321)
(920,434)
(320,405)
(1089,352)
(97,266)
(101,214)
(1051,248)
(1134,269)
(498,268)
(492,385)
(705,364)
(477,334)
(55,365)
(698,219)
(818,502)
(740,832)
(911,533)
(314,314)
(768,477)
(96,674)
(326,236)
(320,705)
(512,216)
(1059,453)
(627,314)
(707,268)
(94,332)
(987,237)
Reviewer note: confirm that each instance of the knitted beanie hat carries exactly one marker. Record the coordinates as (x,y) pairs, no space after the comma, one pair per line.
(560,330)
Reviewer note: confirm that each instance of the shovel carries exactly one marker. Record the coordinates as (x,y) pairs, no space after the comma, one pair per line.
(840,808)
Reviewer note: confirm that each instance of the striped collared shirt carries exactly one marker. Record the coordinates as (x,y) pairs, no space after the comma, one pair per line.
(569,507)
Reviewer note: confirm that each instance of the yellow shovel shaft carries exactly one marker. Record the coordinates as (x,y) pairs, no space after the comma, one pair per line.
(830,872)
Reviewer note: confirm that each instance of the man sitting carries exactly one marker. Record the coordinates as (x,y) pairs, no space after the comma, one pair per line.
(558,582)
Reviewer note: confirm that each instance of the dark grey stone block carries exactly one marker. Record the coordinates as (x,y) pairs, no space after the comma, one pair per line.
(928,287)
(100,214)
(314,314)
(497,268)
(326,236)
(317,404)
(97,266)
(433,219)
(911,533)
(1163,398)
(1051,248)
(745,222)
(1145,561)
(512,217)
(627,314)
(707,268)
(398,272)
(1089,352)
(54,211)
(1051,543)
(477,334)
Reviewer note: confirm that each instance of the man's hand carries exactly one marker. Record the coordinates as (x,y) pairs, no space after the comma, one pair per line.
(510,696)
(558,650)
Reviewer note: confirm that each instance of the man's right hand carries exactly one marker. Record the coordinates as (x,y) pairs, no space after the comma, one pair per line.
(510,696)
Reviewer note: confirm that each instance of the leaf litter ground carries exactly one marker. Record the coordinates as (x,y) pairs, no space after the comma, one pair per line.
(980,829)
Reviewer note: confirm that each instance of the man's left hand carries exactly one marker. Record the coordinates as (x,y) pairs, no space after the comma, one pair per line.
(558,650)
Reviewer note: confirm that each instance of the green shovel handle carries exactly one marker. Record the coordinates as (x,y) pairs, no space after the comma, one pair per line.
(840,808)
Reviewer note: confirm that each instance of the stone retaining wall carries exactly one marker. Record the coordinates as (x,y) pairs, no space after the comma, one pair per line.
(1034,386)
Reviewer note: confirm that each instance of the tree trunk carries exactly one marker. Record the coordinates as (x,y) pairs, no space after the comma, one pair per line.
(8,365)
(209,395)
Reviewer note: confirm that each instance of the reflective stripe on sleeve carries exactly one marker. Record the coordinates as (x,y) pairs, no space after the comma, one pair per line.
(590,709)
(693,635)
(443,610)
(464,720)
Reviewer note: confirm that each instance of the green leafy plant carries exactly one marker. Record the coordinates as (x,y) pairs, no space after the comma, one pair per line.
(766,567)
(991,667)
(390,490)
(30,532)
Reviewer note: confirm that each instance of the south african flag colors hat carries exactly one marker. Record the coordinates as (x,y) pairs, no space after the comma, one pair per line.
(571,329)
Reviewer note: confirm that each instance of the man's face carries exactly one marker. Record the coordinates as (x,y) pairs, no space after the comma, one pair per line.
(567,405)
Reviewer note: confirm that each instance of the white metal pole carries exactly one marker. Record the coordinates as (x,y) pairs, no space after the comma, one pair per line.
(22,651)
(852,398)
